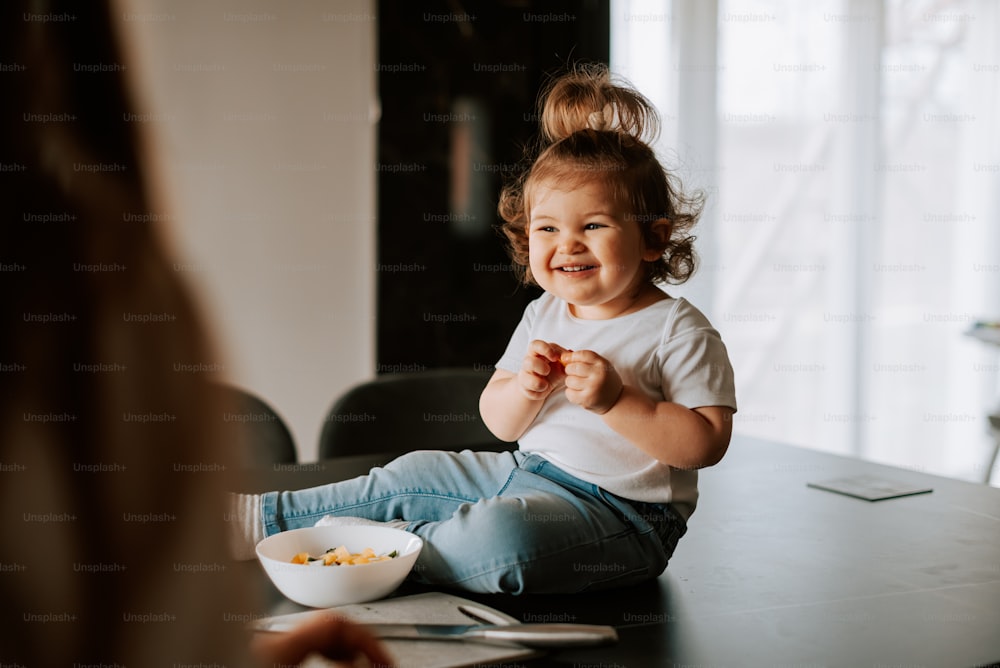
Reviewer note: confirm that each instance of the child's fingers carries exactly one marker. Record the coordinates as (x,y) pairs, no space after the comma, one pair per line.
(539,366)
(558,352)
(591,381)
(531,378)
(582,362)
(546,349)
(541,349)
(583,356)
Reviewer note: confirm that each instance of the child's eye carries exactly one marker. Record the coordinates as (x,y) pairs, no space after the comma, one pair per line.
(593,226)
(545,228)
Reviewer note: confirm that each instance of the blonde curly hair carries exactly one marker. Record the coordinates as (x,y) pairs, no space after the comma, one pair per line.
(593,128)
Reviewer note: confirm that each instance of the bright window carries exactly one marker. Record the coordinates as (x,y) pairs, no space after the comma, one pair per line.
(853,236)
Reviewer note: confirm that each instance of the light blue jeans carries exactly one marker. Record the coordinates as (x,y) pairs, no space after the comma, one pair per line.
(498,522)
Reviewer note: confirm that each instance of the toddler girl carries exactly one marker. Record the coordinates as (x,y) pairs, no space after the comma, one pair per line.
(615,392)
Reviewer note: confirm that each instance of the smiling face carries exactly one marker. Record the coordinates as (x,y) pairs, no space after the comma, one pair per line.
(583,248)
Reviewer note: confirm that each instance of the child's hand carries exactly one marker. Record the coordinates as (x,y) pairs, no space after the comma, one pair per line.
(541,371)
(591,381)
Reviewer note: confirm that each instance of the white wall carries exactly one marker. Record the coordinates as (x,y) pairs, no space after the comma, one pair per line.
(264,116)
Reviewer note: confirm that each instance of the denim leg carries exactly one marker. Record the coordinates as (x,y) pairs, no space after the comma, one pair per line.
(491,522)
(541,533)
(420,485)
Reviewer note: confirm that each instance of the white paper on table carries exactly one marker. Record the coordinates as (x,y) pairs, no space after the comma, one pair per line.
(429,608)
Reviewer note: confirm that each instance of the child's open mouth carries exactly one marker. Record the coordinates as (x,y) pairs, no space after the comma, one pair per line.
(576,268)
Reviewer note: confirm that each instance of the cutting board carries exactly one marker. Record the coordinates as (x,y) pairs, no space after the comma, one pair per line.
(429,608)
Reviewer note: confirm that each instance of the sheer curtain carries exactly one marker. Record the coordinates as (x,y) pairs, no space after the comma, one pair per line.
(851,153)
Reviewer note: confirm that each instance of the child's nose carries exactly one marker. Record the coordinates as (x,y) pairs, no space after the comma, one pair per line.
(570,242)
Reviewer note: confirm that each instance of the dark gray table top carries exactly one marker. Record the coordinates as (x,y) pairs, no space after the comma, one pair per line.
(774,573)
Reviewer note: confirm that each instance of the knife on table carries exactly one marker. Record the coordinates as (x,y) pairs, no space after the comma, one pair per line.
(521,635)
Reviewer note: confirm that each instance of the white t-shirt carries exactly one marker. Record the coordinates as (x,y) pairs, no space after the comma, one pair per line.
(669,350)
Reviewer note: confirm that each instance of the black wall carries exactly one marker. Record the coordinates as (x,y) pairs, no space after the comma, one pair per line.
(458,83)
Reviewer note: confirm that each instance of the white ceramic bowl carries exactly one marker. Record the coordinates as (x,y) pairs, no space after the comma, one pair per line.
(328,586)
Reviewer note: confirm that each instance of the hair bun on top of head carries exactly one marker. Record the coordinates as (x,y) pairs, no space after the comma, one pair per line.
(587,99)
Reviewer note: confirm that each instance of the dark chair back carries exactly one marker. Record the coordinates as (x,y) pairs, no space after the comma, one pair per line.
(263,436)
(436,409)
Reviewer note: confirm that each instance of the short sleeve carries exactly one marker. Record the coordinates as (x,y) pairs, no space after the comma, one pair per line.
(519,340)
(696,370)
